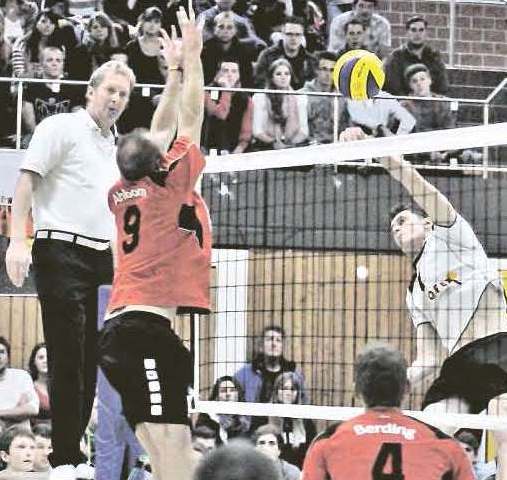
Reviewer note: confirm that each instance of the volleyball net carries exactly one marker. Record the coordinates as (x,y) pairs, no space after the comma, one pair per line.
(302,241)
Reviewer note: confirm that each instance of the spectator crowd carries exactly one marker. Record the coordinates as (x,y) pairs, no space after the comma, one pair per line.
(287,45)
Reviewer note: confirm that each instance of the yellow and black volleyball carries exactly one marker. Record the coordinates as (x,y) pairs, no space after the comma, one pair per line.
(359,74)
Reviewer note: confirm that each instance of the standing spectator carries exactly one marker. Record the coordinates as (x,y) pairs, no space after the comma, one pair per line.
(144,51)
(42,448)
(267,439)
(70,161)
(347,451)
(320,109)
(19,18)
(45,99)
(416,50)
(17,449)
(380,116)
(18,399)
(38,368)
(243,25)
(355,34)
(226,44)
(96,49)
(296,433)
(378,37)
(291,49)
(225,426)
(228,121)
(279,119)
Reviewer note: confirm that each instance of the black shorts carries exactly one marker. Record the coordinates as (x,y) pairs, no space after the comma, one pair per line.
(476,373)
(147,363)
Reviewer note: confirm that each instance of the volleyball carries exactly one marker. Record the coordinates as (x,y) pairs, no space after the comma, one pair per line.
(359,74)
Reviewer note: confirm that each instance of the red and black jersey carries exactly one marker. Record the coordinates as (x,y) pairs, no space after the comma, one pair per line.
(163,237)
(385,445)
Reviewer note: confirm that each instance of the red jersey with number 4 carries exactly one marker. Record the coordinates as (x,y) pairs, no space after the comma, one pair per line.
(385,445)
(163,237)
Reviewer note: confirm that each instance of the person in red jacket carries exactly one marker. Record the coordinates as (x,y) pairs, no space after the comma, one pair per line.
(383,442)
(163,262)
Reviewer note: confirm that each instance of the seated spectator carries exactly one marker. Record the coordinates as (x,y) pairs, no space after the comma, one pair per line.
(203,439)
(296,433)
(268,17)
(43,448)
(38,368)
(267,439)
(144,51)
(355,34)
(238,460)
(320,109)
(381,116)
(17,450)
(8,110)
(290,48)
(228,121)
(279,120)
(42,100)
(243,25)
(337,7)
(416,50)
(225,426)
(225,43)
(18,399)
(46,33)
(19,18)
(96,49)
(470,444)
(311,11)
(378,38)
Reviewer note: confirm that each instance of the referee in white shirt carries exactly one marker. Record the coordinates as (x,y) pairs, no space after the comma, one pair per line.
(65,177)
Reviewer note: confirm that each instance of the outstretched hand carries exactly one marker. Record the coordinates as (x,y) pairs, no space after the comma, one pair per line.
(191,32)
(171,48)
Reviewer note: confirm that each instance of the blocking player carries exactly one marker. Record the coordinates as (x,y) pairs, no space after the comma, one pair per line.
(383,443)
(164,249)
(455,300)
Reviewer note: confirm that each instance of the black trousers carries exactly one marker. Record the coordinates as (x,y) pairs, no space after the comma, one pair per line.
(67,277)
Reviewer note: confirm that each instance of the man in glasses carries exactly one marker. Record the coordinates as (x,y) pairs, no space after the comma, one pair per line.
(416,50)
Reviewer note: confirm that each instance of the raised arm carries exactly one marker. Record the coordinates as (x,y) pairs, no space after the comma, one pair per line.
(165,118)
(192,105)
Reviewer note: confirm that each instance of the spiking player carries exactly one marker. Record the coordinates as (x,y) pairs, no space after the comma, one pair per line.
(164,251)
(383,443)
(455,299)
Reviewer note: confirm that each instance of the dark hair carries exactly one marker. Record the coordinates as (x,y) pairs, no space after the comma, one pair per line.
(6,344)
(415,19)
(203,431)
(268,429)
(10,434)
(276,99)
(149,13)
(464,436)
(104,20)
(273,328)
(227,378)
(137,156)
(42,430)
(294,20)
(31,362)
(325,55)
(411,70)
(238,460)
(353,21)
(371,1)
(381,376)
(413,207)
(296,382)
(34,38)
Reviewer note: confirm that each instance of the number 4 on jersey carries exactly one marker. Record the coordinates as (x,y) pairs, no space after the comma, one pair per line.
(389,454)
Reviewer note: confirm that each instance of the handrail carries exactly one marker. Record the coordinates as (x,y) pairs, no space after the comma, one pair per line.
(496,91)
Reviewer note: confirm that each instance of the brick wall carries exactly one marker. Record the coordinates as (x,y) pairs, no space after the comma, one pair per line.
(480,32)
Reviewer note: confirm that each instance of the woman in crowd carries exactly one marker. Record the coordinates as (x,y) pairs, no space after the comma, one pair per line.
(50,30)
(38,368)
(296,433)
(279,120)
(226,389)
(228,122)
(96,49)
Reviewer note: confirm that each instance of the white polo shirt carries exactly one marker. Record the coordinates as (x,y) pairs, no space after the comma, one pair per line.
(452,272)
(78,166)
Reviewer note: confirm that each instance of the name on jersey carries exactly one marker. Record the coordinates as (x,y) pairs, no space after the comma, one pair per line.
(439,287)
(389,428)
(123,195)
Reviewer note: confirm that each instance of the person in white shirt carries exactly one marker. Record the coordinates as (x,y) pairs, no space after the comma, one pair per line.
(18,399)
(66,174)
(455,300)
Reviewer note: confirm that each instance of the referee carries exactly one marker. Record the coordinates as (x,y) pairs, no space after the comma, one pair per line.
(65,177)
